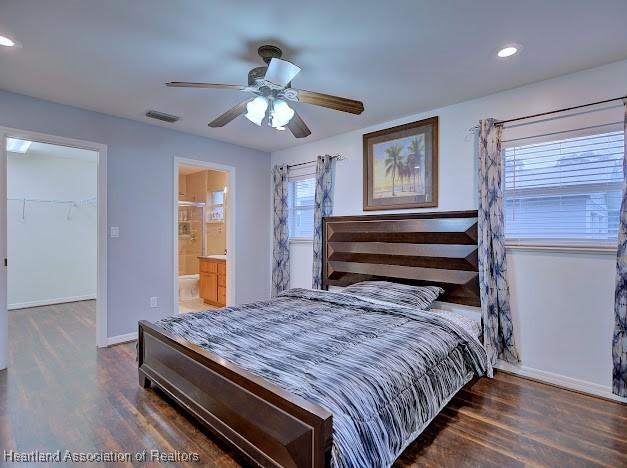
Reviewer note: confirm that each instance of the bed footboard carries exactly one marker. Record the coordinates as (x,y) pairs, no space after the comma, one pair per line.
(268,425)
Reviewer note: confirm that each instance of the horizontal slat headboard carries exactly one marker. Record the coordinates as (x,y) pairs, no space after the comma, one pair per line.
(419,248)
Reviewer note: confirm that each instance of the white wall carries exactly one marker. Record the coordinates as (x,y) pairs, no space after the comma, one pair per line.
(140,175)
(562,302)
(52,258)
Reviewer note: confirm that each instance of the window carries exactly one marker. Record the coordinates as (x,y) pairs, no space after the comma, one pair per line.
(216,209)
(301,195)
(566,190)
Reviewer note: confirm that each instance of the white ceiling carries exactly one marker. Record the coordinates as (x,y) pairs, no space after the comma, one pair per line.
(399,57)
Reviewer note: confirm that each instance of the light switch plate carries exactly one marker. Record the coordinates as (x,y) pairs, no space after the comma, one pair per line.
(115,231)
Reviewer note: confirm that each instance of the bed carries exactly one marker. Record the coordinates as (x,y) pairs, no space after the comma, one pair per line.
(327,378)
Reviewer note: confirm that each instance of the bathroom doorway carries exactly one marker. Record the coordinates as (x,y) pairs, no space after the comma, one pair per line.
(203,236)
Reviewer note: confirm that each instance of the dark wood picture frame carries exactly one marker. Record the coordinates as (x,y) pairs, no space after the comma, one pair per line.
(427,127)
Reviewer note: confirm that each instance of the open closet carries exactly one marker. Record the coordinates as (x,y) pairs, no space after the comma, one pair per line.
(52,232)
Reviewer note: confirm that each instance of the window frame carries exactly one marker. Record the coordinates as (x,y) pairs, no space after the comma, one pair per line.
(213,206)
(307,172)
(556,244)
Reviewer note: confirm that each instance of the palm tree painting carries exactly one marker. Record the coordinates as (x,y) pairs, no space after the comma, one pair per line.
(393,163)
(400,166)
(416,160)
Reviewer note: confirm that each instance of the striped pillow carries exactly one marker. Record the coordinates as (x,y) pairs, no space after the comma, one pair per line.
(402,294)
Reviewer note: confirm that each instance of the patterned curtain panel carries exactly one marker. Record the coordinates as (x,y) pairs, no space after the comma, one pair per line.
(498,329)
(619,341)
(280,250)
(325,168)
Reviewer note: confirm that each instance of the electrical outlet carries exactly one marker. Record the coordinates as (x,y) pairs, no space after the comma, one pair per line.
(154,301)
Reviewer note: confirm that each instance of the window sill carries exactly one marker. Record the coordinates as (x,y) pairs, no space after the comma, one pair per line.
(607,249)
(300,240)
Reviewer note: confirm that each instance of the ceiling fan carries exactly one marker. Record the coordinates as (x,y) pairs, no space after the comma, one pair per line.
(272,88)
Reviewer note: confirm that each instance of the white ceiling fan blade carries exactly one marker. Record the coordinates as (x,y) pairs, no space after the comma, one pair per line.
(281,72)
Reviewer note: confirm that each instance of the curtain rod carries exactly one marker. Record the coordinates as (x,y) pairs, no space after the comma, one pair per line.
(500,123)
(566,109)
(339,157)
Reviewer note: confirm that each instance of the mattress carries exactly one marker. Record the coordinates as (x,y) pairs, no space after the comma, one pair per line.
(383,371)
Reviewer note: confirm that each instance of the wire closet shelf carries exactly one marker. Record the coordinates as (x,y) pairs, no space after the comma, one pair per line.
(71,204)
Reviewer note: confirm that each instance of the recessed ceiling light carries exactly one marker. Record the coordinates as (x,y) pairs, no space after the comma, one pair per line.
(507,51)
(6,42)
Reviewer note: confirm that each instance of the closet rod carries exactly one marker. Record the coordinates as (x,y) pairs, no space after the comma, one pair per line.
(339,157)
(58,202)
(500,123)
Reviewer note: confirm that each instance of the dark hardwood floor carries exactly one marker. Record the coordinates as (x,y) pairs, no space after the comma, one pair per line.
(61,393)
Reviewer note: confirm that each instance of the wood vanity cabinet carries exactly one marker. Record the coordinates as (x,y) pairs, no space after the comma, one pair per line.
(213,281)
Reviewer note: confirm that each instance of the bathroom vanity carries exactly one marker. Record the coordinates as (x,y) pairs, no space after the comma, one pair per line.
(213,279)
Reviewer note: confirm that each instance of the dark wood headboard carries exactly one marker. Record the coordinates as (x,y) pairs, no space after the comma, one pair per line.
(419,248)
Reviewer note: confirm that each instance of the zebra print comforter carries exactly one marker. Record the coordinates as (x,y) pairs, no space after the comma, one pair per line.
(384,372)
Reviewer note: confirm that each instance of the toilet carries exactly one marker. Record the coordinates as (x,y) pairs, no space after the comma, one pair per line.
(188,287)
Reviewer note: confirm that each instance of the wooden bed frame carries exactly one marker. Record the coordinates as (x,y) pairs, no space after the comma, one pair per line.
(263,422)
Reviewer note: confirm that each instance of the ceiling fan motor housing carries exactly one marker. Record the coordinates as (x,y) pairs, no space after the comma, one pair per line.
(255,74)
(268,52)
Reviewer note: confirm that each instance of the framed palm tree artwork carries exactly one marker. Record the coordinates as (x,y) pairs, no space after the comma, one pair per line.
(401,166)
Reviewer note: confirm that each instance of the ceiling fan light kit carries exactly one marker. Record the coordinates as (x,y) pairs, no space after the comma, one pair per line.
(256,110)
(276,112)
(280,114)
(272,87)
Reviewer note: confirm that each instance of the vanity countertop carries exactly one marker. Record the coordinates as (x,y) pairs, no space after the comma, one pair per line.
(212,257)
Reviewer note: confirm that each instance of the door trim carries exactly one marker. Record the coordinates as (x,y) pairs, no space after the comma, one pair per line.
(231,294)
(101,281)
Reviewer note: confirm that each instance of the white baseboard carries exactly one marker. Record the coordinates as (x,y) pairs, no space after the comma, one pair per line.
(45,302)
(113,340)
(560,381)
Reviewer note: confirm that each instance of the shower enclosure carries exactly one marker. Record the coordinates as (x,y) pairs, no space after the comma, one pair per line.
(191,236)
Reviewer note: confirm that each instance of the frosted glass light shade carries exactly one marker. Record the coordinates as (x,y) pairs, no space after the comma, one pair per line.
(281,114)
(256,110)
(507,51)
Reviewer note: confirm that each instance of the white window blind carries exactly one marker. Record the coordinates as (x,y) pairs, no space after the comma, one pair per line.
(564,190)
(301,196)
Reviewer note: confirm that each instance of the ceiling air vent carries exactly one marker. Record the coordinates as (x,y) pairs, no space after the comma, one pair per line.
(162,116)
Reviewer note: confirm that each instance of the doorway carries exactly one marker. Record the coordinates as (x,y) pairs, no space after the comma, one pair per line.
(53,225)
(203,235)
